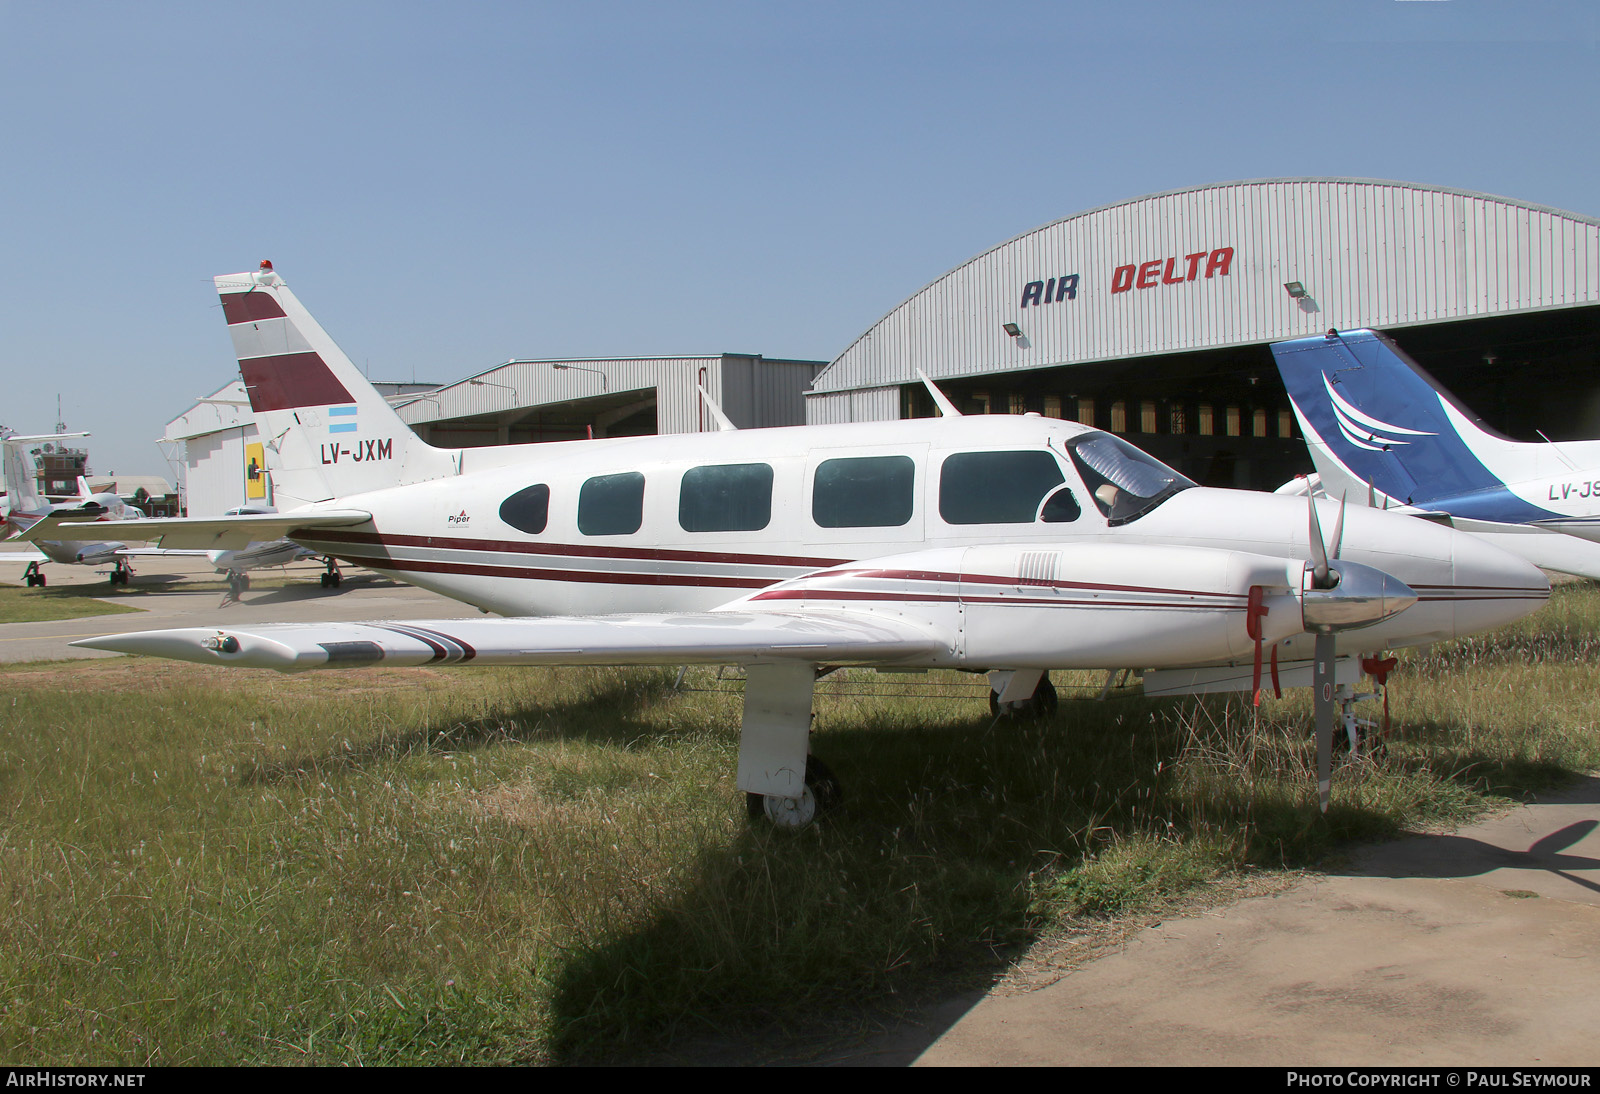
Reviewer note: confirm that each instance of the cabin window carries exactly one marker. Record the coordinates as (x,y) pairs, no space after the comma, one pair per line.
(863,492)
(611,505)
(528,510)
(997,487)
(730,497)
(1060,508)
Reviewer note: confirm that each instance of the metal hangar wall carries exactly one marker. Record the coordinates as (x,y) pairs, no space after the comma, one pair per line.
(525,401)
(1152,317)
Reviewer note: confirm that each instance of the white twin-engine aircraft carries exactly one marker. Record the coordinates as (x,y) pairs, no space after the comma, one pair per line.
(1010,545)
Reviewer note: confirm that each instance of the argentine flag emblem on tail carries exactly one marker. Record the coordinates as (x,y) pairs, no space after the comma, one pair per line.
(346,422)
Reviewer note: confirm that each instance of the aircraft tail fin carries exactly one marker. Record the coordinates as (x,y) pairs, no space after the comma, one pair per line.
(328,432)
(1375,421)
(21,468)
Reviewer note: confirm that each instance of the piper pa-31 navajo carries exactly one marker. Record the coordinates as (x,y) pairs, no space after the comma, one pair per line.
(1010,545)
(25,508)
(1383,432)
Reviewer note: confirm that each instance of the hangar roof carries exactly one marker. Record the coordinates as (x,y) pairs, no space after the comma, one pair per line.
(1211,266)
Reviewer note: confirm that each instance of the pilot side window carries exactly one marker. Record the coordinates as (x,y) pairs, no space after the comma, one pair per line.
(730,497)
(611,505)
(528,510)
(863,492)
(1004,488)
(1124,482)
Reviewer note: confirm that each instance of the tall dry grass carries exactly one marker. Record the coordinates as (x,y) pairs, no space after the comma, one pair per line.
(489,866)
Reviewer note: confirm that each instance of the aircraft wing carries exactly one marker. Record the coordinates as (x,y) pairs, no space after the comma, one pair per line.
(162,552)
(201,533)
(718,637)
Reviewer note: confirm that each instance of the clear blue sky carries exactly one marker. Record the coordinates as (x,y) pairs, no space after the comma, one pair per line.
(449,186)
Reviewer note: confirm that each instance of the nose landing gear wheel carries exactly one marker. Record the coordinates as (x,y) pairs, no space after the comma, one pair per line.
(1041,704)
(821,793)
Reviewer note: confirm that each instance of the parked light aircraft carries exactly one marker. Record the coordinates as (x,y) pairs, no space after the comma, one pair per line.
(1383,432)
(238,563)
(1011,545)
(25,507)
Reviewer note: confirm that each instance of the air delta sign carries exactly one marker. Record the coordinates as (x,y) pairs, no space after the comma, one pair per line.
(1137,275)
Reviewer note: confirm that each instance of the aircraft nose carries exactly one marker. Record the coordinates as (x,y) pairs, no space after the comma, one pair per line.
(1492,587)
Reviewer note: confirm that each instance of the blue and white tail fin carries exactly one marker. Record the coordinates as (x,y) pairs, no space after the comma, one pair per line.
(328,431)
(1377,423)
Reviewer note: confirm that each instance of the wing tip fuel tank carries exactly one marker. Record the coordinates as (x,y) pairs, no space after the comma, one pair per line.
(203,646)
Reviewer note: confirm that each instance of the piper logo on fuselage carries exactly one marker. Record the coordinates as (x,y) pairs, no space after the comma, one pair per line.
(359,451)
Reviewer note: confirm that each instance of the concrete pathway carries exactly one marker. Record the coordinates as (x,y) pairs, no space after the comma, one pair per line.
(1479,947)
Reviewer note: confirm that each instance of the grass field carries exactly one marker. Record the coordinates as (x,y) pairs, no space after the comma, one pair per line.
(492,866)
(19,604)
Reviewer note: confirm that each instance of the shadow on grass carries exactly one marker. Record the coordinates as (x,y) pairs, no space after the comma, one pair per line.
(609,714)
(96,591)
(1432,746)
(924,884)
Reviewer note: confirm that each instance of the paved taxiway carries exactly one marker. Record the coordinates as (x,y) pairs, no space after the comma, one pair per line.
(183,591)
(1478,947)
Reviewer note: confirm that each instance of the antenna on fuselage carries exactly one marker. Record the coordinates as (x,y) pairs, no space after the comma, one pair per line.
(946,407)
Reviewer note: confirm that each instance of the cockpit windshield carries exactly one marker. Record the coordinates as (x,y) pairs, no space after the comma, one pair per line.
(1124,482)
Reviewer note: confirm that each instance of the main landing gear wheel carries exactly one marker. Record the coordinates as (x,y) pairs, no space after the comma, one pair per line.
(1041,704)
(821,793)
(33,575)
(238,583)
(332,577)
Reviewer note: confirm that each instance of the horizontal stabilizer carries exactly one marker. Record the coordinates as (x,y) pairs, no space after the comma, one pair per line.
(202,533)
(693,638)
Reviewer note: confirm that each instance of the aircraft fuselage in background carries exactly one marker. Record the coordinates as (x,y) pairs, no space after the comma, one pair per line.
(1379,427)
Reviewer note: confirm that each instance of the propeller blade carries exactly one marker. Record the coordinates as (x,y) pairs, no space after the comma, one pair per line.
(1319,554)
(1322,687)
(1338,530)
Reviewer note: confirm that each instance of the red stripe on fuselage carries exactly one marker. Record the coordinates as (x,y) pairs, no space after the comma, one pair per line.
(532,573)
(1032,583)
(951,598)
(645,554)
